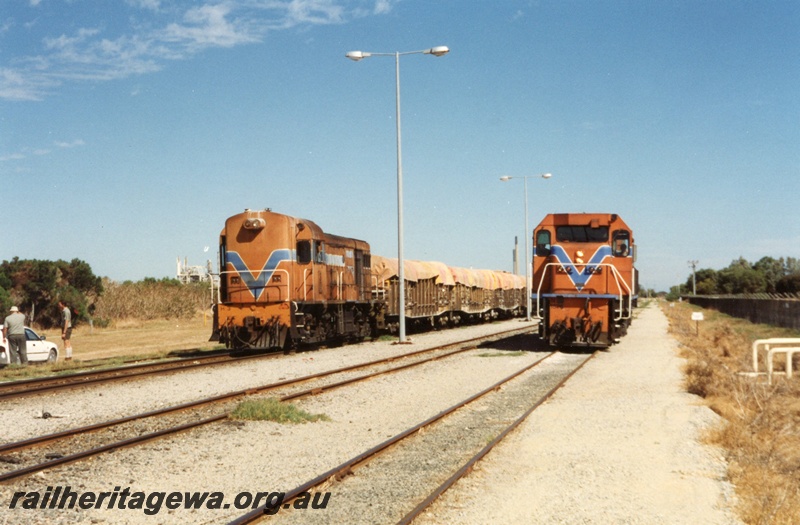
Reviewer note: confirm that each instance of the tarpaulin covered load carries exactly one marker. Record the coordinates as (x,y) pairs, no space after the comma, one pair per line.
(384,268)
(510,281)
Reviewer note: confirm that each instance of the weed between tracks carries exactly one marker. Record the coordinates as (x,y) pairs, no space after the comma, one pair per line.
(502,354)
(761,429)
(272,409)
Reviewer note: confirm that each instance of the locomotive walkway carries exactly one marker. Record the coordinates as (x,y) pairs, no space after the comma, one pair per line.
(619,443)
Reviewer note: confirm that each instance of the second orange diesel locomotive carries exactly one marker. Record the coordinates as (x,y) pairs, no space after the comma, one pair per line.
(584,280)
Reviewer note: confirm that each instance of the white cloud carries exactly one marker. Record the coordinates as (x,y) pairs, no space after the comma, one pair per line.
(382,7)
(145,4)
(156,33)
(23,86)
(12,156)
(74,143)
(208,26)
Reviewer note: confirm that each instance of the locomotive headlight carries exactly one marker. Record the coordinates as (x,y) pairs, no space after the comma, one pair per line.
(254,224)
(579,253)
(579,260)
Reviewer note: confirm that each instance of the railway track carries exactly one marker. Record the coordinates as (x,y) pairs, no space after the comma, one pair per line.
(419,464)
(80,443)
(42,385)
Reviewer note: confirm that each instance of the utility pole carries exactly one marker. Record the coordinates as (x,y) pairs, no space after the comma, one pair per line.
(693,264)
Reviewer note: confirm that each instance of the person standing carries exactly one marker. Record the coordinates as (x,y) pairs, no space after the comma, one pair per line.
(14,331)
(66,329)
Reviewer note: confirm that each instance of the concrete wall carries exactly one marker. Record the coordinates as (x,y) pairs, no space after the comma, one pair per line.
(783,312)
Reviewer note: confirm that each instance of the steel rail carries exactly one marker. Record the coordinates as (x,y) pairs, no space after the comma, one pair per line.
(27,443)
(50,384)
(346,468)
(77,380)
(160,433)
(467,467)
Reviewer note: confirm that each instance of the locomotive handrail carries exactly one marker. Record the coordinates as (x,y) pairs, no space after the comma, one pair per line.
(306,273)
(617,279)
(278,286)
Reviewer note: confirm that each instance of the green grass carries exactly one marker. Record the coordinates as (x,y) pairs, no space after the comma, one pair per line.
(502,354)
(272,409)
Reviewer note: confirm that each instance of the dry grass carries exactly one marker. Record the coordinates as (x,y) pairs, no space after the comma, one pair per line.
(136,338)
(131,339)
(761,429)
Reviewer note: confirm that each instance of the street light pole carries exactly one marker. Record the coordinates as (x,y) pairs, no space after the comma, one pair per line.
(401,292)
(506,178)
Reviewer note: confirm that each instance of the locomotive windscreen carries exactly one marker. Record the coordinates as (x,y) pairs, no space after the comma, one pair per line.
(581,234)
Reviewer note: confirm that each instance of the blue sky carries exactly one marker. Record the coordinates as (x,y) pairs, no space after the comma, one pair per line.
(130,129)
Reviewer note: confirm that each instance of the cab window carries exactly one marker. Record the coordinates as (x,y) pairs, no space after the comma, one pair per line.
(621,243)
(319,252)
(303,252)
(582,233)
(542,243)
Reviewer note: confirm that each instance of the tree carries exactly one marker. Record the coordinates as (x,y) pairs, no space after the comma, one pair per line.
(772,270)
(740,277)
(705,281)
(37,286)
(788,284)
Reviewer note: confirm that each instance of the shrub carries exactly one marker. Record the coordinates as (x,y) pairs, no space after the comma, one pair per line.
(152,299)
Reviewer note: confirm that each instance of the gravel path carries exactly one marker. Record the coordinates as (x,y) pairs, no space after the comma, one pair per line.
(617,444)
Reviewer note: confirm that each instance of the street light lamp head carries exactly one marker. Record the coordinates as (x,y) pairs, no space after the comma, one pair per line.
(356,55)
(438,51)
(546,175)
(506,178)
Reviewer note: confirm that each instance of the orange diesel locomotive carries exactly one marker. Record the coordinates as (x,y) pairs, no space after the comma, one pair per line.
(283,281)
(584,280)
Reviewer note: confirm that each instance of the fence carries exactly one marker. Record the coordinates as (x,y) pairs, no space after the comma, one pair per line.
(773,309)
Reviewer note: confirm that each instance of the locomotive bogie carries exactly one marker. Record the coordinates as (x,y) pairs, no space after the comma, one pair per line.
(262,326)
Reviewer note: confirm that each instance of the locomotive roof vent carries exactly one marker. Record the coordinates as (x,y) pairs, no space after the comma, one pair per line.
(255,223)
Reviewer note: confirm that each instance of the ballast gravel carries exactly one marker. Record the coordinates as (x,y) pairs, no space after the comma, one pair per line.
(617,444)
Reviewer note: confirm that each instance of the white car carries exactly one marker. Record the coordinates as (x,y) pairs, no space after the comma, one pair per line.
(39,349)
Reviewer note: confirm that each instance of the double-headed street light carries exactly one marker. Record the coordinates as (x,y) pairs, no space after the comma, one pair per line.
(506,178)
(401,295)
